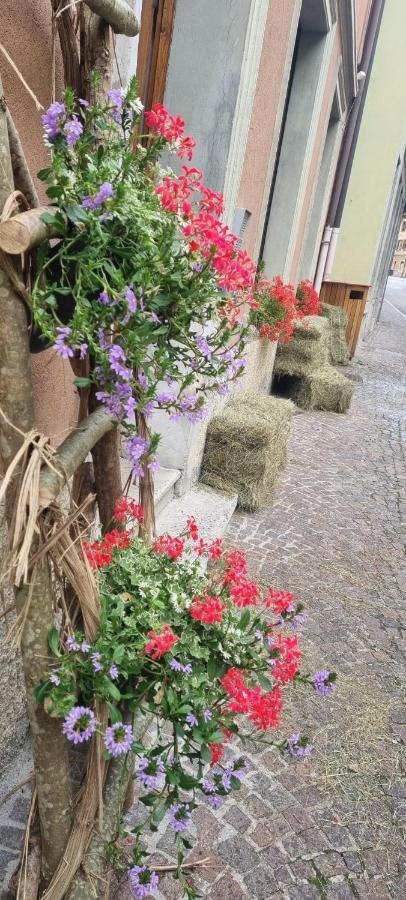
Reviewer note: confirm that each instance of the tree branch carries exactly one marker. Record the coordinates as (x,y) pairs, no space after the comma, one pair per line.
(117,13)
(22,176)
(71,453)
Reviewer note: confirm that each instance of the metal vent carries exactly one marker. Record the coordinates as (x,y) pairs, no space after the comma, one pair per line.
(240,221)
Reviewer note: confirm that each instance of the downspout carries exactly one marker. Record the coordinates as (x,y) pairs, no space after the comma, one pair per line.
(348,147)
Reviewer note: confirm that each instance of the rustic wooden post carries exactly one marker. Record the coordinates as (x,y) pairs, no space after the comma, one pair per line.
(33,601)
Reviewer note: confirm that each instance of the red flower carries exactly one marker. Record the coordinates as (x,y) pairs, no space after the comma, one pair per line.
(216,751)
(244,592)
(208,610)
(215,549)
(265,710)
(99,553)
(287,664)
(160,643)
(236,565)
(170,546)
(279,601)
(126,508)
(307,300)
(192,528)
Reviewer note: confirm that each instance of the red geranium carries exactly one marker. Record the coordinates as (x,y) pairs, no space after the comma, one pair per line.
(170,546)
(159,644)
(208,610)
(307,300)
(279,601)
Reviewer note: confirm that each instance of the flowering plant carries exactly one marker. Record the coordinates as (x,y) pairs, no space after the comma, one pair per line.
(275,310)
(144,279)
(207,652)
(307,300)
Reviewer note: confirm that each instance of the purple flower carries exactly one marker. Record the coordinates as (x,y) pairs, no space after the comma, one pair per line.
(298,745)
(179,816)
(72,130)
(113,672)
(143,881)
(54,678)
(223,390)
(299,619)
(136,447)
(79,724)
(116,98)
(53,120)
(71,644)
(215,801)
(118,738)
(83,350)
(60,346)
(104,298)
(191,720)
(204,347)
(84,647)
(164,397)
(323,682)
(131,300)
(207,715)
(97,666)
(117,359)
(197,267)
(104,193)
(151,773)
(179,667)
(208,786)
(226,779)
(239,767)
(154,465)
(259,635)
(83,102)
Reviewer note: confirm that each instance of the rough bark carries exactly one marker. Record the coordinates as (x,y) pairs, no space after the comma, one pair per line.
(22,177)
(117,13)
(69,46)
(34,601)
(146,495)
(71,454)
(24,231)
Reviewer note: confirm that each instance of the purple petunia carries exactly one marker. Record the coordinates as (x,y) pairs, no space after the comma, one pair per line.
(151,773)
(60,345)
(179,816)
(298,745)
(118,738)
(72,130)
(323,683)
(79,724)
(53,120)
(191,720)
(143,881)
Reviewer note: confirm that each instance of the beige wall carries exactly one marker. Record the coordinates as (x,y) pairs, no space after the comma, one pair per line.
(264,119)
(26,35)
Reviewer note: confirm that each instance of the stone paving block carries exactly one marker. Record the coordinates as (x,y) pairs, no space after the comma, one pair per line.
(261,883)
(238,854)
(227,889)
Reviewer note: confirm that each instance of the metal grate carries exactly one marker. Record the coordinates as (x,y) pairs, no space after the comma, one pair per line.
(240,221)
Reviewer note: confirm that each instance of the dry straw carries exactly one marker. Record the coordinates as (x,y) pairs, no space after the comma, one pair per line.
(337,319)
(246,447)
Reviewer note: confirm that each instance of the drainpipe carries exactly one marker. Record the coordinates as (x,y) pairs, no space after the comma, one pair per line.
(348,147)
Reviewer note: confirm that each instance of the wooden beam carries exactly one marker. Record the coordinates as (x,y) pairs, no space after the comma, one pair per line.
(117,13)
(24,231)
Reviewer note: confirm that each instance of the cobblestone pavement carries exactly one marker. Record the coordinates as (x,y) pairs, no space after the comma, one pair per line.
(330,826)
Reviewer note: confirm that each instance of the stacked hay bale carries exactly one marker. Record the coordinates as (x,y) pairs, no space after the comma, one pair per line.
(303,371)
(338,320)
(246,447)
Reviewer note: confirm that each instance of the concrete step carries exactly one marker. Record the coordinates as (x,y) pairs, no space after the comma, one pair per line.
(164,485)
(211,510)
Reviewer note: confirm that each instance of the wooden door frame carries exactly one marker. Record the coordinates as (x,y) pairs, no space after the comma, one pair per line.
(157,19)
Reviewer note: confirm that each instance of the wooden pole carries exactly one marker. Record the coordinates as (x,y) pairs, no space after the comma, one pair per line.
(116,13)
(24,231)
(34,602)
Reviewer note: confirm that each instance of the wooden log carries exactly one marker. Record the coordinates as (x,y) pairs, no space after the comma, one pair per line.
(72,453)
(24,231)
(117,13)
(22,176)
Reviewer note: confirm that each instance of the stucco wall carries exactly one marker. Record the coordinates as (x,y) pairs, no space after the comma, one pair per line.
(204,75)
(267,110)
(362,10)
(382,138)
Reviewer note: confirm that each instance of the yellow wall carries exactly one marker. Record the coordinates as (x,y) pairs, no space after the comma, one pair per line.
(381,140)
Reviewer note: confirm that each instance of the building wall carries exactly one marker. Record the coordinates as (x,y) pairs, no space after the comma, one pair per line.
(399,259)
(381,140)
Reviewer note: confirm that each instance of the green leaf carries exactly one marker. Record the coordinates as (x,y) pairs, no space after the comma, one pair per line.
(114,713)
(75,213)
(187,781)
(82,382)
(265,682)
(44,174)
(244,619)
(53,642)
(48,218)
(111,689)
(205,753)
(235,783)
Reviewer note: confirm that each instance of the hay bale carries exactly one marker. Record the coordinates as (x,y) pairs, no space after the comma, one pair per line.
(307,350)
(246,447)
(324,388)
(337,318)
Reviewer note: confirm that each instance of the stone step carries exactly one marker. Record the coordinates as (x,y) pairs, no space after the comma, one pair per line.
(211,510)
(164,485)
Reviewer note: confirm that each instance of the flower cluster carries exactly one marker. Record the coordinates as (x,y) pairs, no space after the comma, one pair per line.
(307,300)
(275,310)
(205,650)
(99,553)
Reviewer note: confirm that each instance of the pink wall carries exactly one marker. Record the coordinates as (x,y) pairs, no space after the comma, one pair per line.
(362,10)
(264,114)
(316,157)
(26,35)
